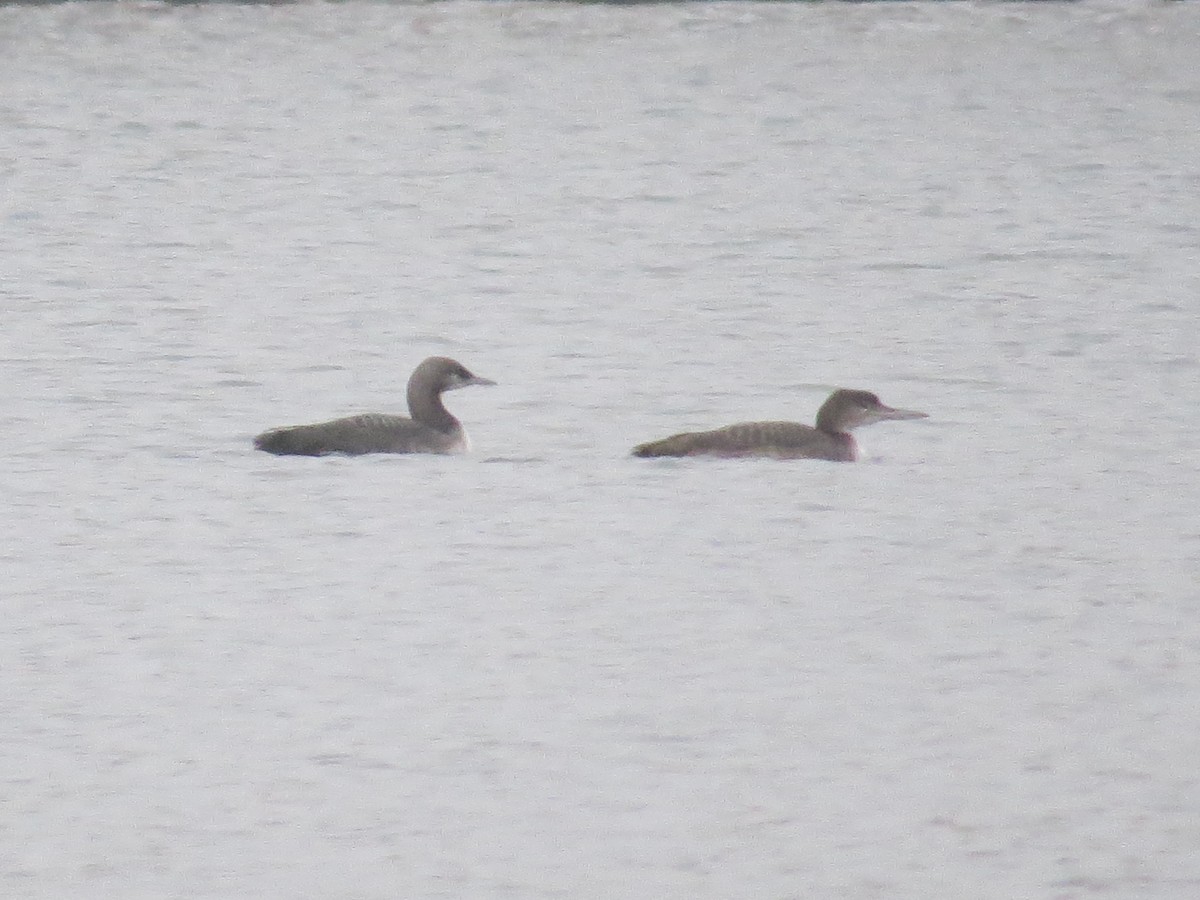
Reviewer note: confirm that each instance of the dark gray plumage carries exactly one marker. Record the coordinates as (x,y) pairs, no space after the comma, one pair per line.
(830,439)
(432,429)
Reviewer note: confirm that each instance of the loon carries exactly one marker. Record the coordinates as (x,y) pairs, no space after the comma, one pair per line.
(831,439)
(432,429)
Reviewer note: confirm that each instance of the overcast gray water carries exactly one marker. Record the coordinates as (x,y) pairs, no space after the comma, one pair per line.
(966,667)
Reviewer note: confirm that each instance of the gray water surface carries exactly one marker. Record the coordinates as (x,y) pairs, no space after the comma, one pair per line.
(965,667)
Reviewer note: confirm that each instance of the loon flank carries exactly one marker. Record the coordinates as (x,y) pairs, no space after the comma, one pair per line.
(831,439)
(432,429)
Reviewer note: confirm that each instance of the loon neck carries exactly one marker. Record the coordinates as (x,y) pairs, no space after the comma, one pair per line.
(425,406)
(833,417)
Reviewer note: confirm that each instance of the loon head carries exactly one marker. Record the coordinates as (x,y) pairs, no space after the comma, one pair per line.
(847,409)
(439,374)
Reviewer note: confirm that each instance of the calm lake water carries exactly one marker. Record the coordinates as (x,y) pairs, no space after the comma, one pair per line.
(967,667)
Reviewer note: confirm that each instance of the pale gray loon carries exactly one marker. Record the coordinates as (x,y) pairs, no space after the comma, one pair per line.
(432,429)
(831,439)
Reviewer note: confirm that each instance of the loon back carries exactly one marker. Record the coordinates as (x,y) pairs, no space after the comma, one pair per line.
(356,435)
(777,440)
